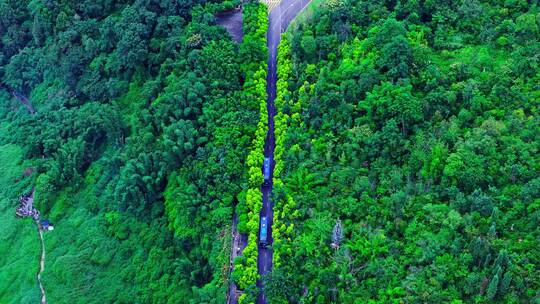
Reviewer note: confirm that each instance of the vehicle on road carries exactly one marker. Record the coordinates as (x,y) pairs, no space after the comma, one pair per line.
(263,232)
(266,170)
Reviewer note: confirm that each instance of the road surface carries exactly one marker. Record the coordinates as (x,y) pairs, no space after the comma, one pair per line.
(232,22)
(279,18)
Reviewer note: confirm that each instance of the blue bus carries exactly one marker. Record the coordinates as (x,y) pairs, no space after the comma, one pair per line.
(263,232)
(266,169)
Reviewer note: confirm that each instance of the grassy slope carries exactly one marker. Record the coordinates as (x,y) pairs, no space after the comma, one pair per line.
(73,260)
(81,263)
(19,243)
(78,253)
(93,256)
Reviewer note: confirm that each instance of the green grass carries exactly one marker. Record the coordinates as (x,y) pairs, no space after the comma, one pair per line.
(78,250)
(474,56)
(91,258)
(19,258)
(19,243)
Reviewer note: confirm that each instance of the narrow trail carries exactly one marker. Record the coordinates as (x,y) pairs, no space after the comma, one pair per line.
(20,97)
(24,100)
(41,264)
(26,209)
(279,19)
(238,243)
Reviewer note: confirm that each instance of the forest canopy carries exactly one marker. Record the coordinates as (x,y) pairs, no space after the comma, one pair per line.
(410,154)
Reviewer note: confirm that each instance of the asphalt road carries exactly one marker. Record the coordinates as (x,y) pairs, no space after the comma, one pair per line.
(279,19)
(232,22)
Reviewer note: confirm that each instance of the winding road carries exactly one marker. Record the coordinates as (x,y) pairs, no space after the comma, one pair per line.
(279,18)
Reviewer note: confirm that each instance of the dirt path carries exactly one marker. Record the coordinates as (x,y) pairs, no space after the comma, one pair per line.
(26,209)
(20,97)
(41,264)
(238,243)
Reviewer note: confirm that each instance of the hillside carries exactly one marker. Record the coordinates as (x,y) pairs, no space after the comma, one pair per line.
(389,148)
(137,147)
(410,154)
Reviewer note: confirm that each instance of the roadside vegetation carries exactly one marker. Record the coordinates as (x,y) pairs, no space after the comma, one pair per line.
(255,52)
(285,208)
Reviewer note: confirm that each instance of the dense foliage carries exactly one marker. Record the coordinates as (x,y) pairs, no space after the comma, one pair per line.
(410,161)
(250,200)
(407,139)
(137,118)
